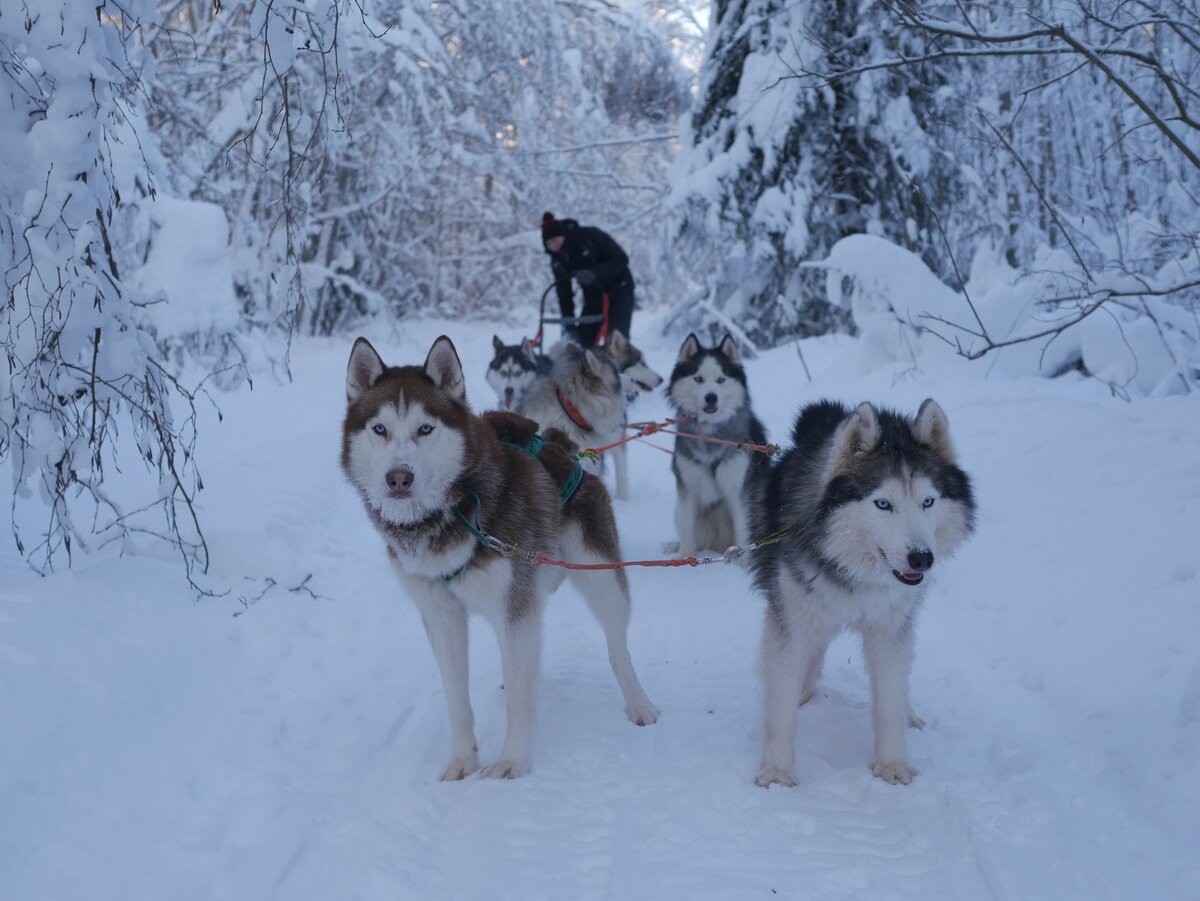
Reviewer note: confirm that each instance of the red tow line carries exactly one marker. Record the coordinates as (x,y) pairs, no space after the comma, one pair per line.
(540,559)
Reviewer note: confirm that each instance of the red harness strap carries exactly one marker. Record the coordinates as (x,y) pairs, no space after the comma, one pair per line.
(573,411)
(602,335)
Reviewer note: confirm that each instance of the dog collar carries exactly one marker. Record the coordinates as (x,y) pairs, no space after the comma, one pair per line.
(573,412)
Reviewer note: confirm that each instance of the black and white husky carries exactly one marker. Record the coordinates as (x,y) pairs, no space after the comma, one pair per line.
(872,500)
(426,467)
(714,482)
(513,369)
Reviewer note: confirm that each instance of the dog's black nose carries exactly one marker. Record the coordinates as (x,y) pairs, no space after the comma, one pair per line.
(710,399)
(399,479)
(921,560)
(508,392)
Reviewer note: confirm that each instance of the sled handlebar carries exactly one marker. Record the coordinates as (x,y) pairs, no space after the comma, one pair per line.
(572,322)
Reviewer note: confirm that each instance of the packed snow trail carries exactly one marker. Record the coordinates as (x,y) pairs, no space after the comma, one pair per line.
(156,747)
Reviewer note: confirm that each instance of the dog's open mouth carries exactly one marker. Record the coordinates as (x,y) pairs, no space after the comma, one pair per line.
(643,386)
(710,409)
(908,577)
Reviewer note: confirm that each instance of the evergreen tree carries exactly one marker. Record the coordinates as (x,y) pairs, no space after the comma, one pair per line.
(781,162)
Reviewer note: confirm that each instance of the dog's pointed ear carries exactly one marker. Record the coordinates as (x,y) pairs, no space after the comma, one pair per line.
(497,344)
(594,362)
(729,348)
(857,436)
(691,347)
(932,429)
(618,343)
(527,350)
(364,368)
(443,366)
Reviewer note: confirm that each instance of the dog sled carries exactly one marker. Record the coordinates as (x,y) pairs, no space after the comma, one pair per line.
(571,322)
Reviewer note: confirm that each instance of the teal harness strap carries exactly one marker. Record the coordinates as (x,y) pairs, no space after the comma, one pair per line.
(475,528)
(567,489)
(533,447)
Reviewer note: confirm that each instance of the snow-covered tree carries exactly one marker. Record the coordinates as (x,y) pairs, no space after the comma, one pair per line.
(776,168)
(1077,129)
(89,411)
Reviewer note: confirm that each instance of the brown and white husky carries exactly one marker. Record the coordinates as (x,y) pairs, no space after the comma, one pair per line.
(425,466)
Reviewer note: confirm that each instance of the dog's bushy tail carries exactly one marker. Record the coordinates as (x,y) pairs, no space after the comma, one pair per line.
(558,454)
(511,427)
(560,439)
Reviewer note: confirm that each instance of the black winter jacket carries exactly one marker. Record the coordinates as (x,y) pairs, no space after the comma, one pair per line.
(587,247)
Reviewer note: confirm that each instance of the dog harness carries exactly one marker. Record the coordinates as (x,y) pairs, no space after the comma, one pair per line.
(572,411)
(533,447)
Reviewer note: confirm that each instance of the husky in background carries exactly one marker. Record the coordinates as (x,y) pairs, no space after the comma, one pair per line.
(714,482)
(425,466)
(872,500)
(513,369)
(585,395)
(636,375)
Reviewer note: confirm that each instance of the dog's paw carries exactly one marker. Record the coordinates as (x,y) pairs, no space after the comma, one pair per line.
(774,775)
(642,714)
(505,769)
(670,547)
(914,721)
(459,768)
(894,772)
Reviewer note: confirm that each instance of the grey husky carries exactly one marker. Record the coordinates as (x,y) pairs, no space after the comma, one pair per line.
(871,500)
(585,394)
(428,472)
(636,375)
(714,482)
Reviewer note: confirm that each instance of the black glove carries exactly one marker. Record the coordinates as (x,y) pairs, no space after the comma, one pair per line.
(585,277)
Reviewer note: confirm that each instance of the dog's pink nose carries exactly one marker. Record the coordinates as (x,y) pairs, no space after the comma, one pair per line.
(399,479)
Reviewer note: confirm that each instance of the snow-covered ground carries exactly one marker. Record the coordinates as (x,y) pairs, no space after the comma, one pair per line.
(156,747)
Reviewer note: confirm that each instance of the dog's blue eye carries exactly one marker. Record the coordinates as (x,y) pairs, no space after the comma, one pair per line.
(425,429)
(927,503)
(379,429)
(699,380)
(883,503)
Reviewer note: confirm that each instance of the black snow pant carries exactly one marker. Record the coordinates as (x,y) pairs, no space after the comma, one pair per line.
(620,311)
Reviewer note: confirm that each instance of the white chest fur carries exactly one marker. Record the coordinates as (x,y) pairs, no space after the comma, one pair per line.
(832,606)
(423,560)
